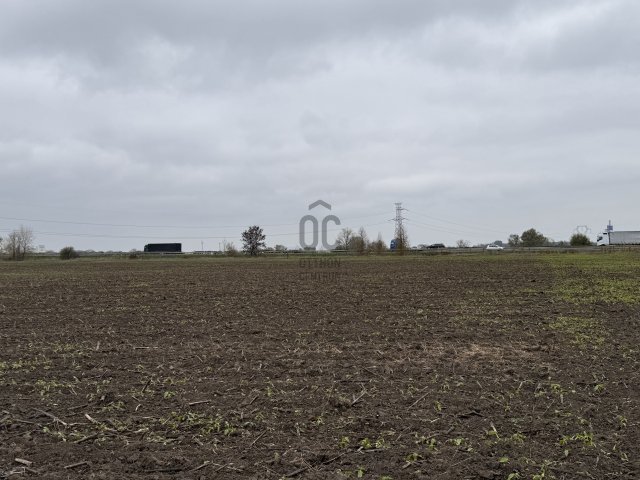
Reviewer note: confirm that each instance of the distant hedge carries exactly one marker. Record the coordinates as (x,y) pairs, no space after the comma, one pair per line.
(67,253)
(580,240)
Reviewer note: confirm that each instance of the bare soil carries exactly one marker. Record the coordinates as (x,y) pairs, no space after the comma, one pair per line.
(438,367)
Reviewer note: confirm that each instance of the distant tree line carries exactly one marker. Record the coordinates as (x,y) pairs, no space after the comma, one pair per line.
(533,238)
(359,242)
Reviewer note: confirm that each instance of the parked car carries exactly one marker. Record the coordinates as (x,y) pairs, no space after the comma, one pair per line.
(436,245)
(493,246)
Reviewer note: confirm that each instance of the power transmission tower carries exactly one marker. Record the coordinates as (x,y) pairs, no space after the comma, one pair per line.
(583,229)
(399,233)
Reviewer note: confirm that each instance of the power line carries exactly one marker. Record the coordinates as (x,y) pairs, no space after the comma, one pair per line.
(154,237)
(473,228)
(124,225)
(441,229)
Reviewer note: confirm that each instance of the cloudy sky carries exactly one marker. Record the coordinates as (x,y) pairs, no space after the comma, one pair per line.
(127,122)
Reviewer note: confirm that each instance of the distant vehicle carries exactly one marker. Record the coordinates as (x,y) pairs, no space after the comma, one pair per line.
(436,245)
(493,246)
(618,238)
(163,248)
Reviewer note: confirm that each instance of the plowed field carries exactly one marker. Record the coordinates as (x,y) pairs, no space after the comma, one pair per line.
(485,366)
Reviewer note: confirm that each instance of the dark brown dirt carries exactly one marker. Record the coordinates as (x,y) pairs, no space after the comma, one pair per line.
(439,367)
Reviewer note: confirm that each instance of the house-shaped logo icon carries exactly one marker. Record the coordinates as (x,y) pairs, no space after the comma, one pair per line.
(319,202)
(316,228)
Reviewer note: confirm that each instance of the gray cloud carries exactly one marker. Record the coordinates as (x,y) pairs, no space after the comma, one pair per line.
(493,116)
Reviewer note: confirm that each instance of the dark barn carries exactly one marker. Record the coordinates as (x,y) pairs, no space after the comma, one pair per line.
(163,248)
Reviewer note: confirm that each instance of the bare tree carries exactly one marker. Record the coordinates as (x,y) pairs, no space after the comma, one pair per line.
(402,241)
(345,239)
(25,241)
(19,243)
(463,243)
(378,246)
(229,248)
(360,243)
(12,245)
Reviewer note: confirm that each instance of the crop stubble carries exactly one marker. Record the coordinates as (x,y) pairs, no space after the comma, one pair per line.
(438,367)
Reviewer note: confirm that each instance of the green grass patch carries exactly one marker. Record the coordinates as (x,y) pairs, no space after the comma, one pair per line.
(594,278)
(581,332)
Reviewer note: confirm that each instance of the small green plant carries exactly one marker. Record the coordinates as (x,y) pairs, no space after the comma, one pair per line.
(493,432)
(541,475)
(413,457)
(622,420)
(344,442)
(54,433)
(228,429)
(585,437)
(269,390)
(556,388)
(168,394)
(49,386)
(113,407)
(366,443)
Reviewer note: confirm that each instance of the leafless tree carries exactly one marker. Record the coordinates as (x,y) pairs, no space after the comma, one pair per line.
(229,249)
(345,239)
(360,242)
(19,243)
(10,245)
(463,243)
(378,246)
(25,240)
(402,241)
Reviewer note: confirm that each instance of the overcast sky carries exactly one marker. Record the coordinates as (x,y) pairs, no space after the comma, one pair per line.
(129,122)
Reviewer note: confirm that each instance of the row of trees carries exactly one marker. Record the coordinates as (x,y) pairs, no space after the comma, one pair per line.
(533,238)
(359,242)
(253,241)
(19,242)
